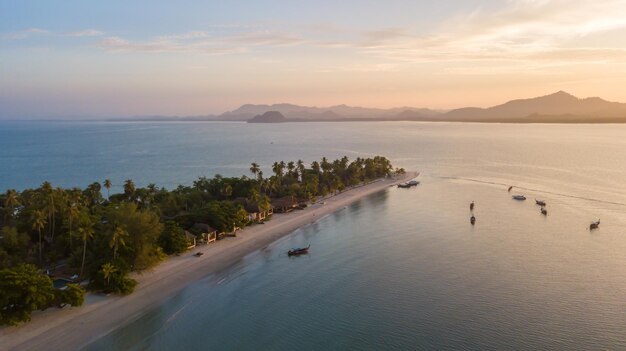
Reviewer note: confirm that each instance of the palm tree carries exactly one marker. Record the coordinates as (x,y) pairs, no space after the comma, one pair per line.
(118,239)
(59,193)
(72,212)
(86,231)
(300,166)
(291,166)
(39,222)
(129,188)
(107,271)
(11,202)
(255,169)
(278,168)
(48,201)
(107,185)
(315,166)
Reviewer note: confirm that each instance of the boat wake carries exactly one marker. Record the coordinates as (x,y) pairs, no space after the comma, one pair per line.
(539,191)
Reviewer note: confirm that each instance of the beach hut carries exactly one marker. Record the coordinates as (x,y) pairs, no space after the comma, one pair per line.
(207,234)
(284,204)
(191,240)
(255,213)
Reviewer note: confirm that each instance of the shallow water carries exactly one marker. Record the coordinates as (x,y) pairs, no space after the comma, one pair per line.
(402,269)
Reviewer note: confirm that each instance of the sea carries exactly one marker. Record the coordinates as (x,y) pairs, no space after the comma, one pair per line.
(402,269)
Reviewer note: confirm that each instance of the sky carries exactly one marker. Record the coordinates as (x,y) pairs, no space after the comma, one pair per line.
(100,59)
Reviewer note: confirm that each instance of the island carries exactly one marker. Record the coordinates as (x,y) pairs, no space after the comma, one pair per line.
(268,117)
(152,241)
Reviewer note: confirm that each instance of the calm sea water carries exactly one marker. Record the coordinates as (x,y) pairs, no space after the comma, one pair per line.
(402,269)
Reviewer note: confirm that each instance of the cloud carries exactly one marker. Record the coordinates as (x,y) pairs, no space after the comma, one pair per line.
(522,30)
(197,34)
(202,42)
(23,34)
(85,33)
(116,44)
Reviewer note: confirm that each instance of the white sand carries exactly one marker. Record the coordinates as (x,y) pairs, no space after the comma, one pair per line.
(73,328)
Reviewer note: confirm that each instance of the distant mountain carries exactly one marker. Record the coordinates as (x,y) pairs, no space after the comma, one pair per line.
(268,117)
(332,113)
(559,107)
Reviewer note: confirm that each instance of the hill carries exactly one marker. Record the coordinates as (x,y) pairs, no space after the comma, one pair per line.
(559,107)
(268,117)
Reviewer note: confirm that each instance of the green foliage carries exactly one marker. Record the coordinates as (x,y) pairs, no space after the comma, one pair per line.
(73,295)
(23,289)
(110,280)
(13,247)
(173,239)
(143,228)
(127,232)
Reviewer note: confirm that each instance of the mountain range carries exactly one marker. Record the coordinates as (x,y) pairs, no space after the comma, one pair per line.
(559,107)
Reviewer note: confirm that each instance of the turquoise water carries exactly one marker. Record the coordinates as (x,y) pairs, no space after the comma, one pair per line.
(402,269)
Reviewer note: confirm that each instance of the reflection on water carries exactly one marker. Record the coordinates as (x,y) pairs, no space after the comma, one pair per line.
(404,269)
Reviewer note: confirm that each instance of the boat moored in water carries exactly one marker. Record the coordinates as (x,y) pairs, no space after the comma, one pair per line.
(544,211)
(472,206)
(540,202)
(594,225)
(519,197)
(408,184)
(299,251)
(472,220)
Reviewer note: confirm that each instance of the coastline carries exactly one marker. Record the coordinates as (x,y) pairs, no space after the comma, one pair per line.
(74,328)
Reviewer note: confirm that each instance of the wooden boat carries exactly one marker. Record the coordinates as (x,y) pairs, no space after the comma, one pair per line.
(299,251)
(594,225)
(519,197)
(540,202)
(472,220)
(404,185)
(510,188)
(544,211)
(413,183)
(198,254)
(472,206)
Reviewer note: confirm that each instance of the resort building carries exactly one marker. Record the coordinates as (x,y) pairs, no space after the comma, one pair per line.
(207,234)
(255,214)
(284,204)
(191,240)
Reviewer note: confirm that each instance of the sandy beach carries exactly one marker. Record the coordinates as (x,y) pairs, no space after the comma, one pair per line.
(73,328)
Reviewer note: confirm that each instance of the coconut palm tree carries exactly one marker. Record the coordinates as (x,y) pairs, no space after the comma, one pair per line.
(39,222)
(117,239)
(60,195)
(72,213)
(107,270)
(315,166)
(86,231)
(129,188)
(300,166)
(11,202)
(291,166)
(255,169)
(107,185)
(48,202)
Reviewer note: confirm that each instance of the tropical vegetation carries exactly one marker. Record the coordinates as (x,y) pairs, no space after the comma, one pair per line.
(103,239)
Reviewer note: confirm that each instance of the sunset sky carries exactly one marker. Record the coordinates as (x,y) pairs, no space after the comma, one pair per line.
(87,59)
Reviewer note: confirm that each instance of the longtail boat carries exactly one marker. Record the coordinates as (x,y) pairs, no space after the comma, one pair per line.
(298,251)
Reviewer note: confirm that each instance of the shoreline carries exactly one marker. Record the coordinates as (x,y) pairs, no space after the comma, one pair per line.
(74,328)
